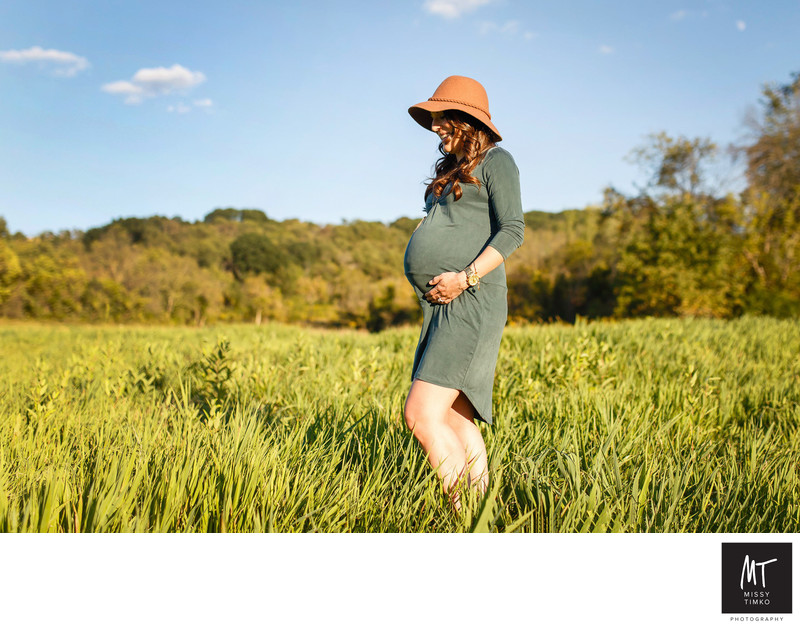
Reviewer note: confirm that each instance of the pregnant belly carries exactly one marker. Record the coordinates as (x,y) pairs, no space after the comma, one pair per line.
(437,249)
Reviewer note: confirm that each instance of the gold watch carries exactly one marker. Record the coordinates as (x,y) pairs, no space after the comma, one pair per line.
(473,279)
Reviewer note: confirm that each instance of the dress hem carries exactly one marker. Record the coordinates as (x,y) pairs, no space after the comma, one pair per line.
(448,385)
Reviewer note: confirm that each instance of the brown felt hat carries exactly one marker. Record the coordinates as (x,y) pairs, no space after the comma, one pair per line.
(460,93)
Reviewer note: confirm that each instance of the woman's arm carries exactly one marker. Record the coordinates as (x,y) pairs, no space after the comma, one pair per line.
(488,260)
(450,285)
(505,204)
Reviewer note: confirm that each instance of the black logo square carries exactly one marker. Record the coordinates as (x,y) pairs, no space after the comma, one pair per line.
(757,578)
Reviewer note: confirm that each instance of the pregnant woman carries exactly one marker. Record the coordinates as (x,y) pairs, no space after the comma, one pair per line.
(455,262)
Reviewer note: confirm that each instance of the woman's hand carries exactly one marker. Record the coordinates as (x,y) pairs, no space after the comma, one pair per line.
(446,287)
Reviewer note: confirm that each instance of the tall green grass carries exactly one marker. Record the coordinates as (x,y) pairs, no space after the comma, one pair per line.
(651,425)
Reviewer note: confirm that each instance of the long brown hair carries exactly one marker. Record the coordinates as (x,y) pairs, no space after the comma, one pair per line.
(476,138)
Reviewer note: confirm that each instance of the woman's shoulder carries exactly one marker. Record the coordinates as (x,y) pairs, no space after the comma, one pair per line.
(498,159)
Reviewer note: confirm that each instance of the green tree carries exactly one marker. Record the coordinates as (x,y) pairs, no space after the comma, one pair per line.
(677,243)
(772,201)
(772,254)
(106,300)
(388,308)
(773,156)
(53,287)
(232,214)
(10,270)
(262,301)
(255,253)
(676,165)
(255,216)
(220,214)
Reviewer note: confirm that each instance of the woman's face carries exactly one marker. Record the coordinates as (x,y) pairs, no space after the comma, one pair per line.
(451,139)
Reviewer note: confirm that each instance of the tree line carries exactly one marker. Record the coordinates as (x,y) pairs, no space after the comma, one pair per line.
(680,246)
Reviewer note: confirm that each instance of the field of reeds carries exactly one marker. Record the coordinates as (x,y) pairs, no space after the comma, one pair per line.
(648,425)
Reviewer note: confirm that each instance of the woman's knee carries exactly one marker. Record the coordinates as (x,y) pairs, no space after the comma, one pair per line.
(421,417)
(427,407)
(414,414)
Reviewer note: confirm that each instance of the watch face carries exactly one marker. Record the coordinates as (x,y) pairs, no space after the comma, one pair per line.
(472,280)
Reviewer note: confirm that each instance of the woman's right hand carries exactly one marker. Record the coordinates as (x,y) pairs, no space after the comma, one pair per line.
(446,287)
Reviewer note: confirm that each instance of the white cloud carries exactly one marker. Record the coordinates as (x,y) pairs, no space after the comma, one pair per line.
(63,63)
(741,25)
(183,108)
(133,92)
(510,28)
(678,15)
(180,108)
(453,8)
(166,80)
(530,35)
(606,50)
(152,82)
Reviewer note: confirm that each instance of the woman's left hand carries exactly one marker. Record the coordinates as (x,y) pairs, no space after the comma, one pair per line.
(446,287)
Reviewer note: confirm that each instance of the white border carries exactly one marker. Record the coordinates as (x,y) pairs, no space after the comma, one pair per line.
(371,580)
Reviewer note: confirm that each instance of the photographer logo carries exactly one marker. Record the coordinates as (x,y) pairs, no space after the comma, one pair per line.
(756,578)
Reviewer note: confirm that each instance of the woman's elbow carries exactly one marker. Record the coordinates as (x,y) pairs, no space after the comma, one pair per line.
(520,235)
(507,240)
(516,234)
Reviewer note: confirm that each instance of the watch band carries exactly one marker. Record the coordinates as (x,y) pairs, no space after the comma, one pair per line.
(473,279)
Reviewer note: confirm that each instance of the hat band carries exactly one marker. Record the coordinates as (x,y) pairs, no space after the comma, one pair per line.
(461,102)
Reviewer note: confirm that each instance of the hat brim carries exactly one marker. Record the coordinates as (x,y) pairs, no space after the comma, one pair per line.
(421,112)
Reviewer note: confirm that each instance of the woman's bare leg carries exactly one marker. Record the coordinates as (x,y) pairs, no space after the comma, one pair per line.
(461,418)
(426,414)
(443,422)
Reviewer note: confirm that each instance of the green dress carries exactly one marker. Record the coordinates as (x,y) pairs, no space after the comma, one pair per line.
(459,341)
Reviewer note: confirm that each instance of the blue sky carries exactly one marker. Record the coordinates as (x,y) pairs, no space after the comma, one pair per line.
(135,108)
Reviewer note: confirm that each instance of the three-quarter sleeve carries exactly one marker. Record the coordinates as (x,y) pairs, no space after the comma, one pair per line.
(505,202)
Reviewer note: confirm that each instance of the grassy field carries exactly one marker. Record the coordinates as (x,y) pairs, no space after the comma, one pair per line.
(651,425)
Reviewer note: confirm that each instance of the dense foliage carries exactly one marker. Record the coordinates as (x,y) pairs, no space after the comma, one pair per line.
(680,246)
